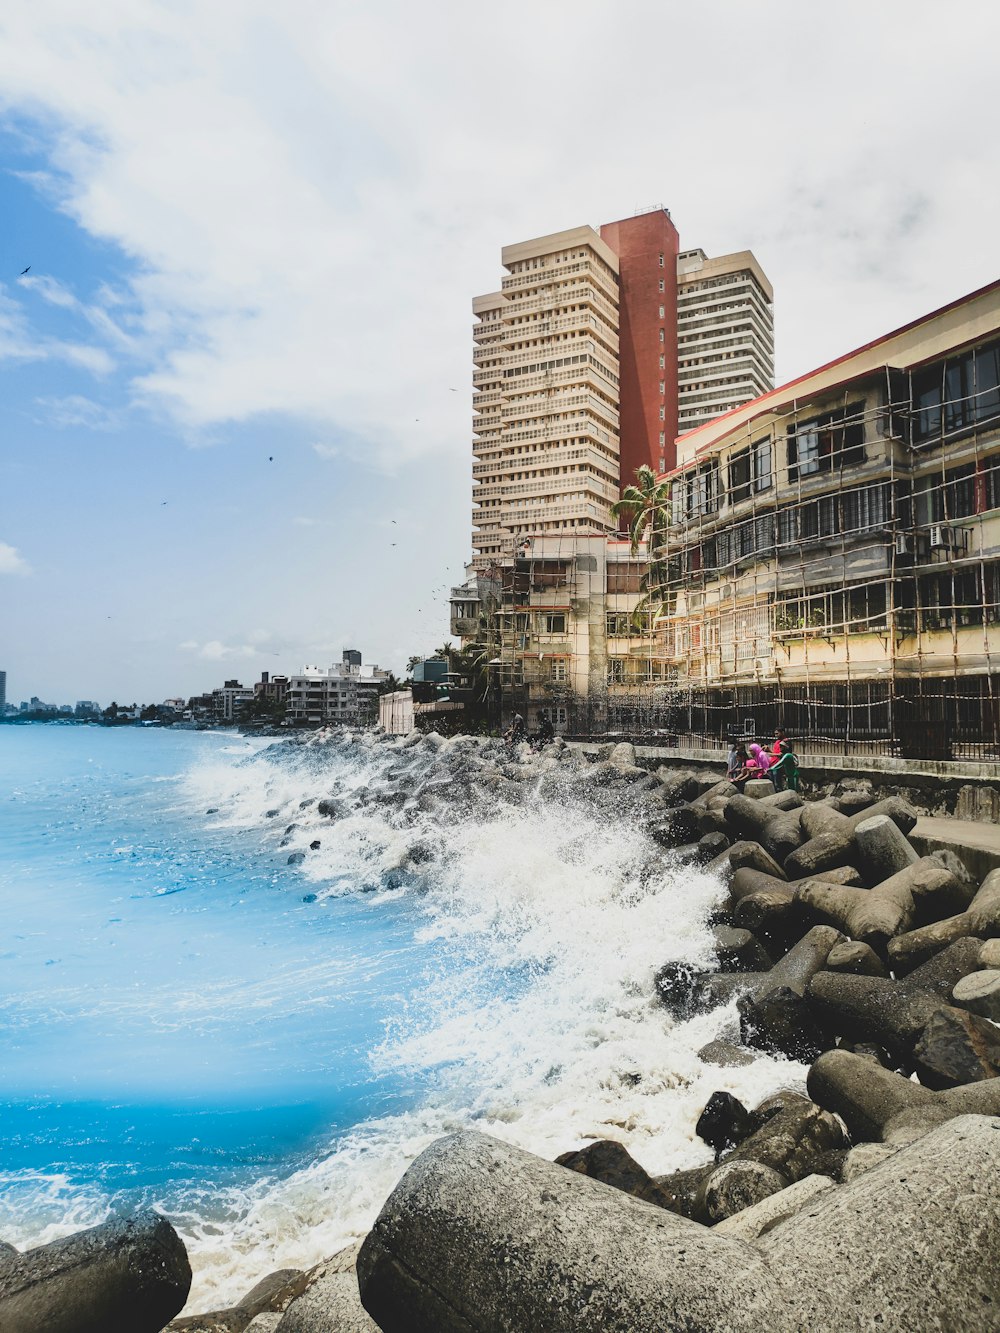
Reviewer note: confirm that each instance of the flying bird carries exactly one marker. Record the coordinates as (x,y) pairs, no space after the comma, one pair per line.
(270,458)
(453,391)
(24,271)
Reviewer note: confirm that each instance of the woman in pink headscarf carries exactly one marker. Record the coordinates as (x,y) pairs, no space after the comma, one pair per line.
(758,763)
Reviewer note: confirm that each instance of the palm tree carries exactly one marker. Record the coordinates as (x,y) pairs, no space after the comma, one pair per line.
(647,508)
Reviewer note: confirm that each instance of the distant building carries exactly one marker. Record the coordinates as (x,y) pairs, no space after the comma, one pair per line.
(3,692)
(270,689)
(231,700)
(345,693)
(87,708)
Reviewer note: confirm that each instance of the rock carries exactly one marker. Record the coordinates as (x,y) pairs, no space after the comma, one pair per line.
(872,916)
(129,1273)
(748,817)
(755,857)
(957,1047)
(774,1015)
(979,992)
(330,808)
(681,1189)
(623,755)
(819,817)
(989,955)
(734,1186)
(783,834)
(479,1237)
(272,1294)
(267,1323)
(331,1303)
(757,788)
(793,1139)
(864,1157)
(724,1054)
(724,1122)
(875,1103)
(858,959)
(710,845)
(315,845)
(776,1208)
(912,1244)
(295,858)
(883,850)
(774,911)
(613,1165)
(901,814)
(892,1013)
(832,848)
(212,810)
(739,951)
(271,814)
(982,918)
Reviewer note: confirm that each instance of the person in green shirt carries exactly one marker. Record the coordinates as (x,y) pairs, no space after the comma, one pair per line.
(786,768)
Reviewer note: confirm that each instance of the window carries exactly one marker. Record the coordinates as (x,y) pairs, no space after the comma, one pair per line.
(663,363)
(703,489)
(616,670)
(663,285)
(661,336)
(554,623)
(835,440)
(762,477)
(624,576)
(739,476)
(661,261)
(662,311)
(559,670)
(956,395)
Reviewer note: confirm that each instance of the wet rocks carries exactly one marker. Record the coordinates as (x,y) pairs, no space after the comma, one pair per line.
(956,1047)
(724,1122)
(129,1273)
(613,1165)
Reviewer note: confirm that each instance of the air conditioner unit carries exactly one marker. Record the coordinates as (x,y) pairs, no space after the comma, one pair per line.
(942,537)
(902,543)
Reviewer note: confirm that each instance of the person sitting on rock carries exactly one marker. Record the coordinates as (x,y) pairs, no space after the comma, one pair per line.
(546,733)
(758,763)
(785,770)
(516,732)
(737,770)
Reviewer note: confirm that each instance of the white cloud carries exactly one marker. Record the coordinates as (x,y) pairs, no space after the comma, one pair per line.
(75,411)
(11,562)
(326,451)
(214,650)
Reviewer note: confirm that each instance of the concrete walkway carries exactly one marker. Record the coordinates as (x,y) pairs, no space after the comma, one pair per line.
(976,845)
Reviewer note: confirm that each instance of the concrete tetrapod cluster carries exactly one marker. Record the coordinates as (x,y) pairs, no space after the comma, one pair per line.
(870,1202)
(480,1237)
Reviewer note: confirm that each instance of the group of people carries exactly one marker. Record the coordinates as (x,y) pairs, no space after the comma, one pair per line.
(518,732)
(780,763)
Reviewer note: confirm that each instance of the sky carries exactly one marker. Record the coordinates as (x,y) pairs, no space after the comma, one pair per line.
(235,380)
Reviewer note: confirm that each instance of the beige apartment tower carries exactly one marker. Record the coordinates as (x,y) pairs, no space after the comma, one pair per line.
(725,335)
(546,394)
(596,352)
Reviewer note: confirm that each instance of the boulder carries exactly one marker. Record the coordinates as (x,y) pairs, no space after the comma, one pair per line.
(725,1055)
(760,1217)
(989,954)
(832,848)
(724,1122)
(754,857)
(820,817)
(480,1237)
(757,788)
(734,1186)
(271,1295)
(892,1013)
(883,850)
(872,916)
(979,992)
(878,1104)
(614,1165)
(982,918)
(331,1302)
(774,1014)
(858,959)
(129,1273)
(957,1047)
(739,951)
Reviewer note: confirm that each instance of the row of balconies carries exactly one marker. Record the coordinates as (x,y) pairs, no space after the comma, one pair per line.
(574,294)
(554,275)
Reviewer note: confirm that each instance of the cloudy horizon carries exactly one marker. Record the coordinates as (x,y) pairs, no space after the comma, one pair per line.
(237,370)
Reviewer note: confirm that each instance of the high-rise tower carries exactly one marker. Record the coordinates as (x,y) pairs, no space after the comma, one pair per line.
(596,352)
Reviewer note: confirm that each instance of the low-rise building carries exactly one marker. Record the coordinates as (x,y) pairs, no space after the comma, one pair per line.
(346,692)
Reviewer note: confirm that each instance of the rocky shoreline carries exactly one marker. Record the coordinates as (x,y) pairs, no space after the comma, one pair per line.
(870,1199)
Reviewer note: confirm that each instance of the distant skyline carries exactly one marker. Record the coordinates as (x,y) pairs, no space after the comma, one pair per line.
(236,375)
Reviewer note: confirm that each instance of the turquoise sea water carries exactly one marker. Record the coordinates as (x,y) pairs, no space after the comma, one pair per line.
(259,1048)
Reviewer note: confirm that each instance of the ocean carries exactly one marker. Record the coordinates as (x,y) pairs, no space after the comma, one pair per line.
(258,1048)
